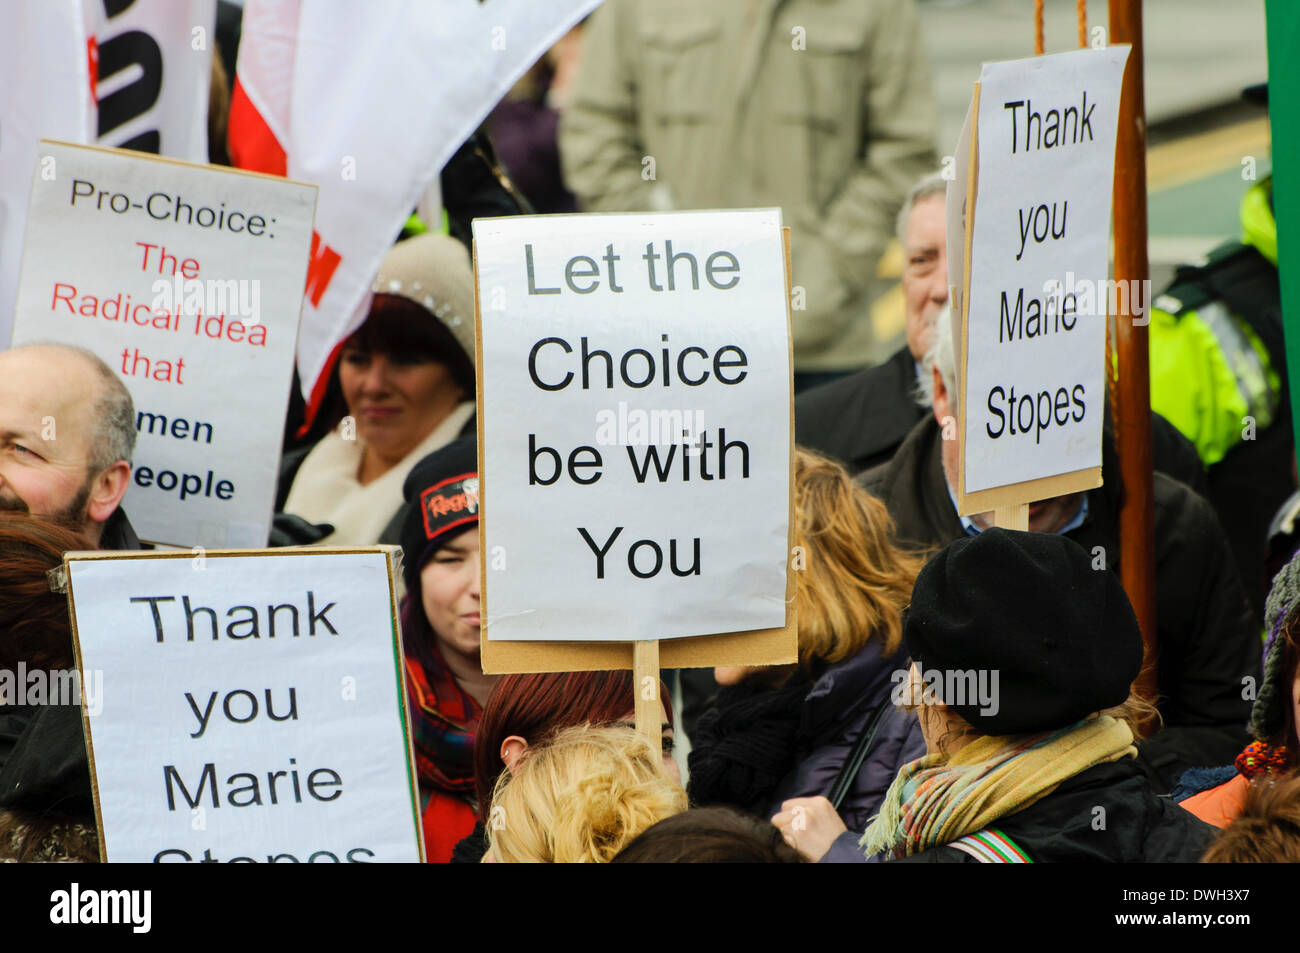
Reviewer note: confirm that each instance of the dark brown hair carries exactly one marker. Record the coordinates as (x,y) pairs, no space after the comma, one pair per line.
(709,835)
(1289,735)
(397,326)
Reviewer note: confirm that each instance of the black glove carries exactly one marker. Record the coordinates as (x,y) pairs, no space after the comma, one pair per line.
(290,530)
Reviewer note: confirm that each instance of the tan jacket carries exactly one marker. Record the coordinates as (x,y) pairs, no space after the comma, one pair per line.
(822,107)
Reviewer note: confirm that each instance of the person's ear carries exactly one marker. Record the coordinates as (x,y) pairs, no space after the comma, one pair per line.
(940,405)
(513,750)
(107,490)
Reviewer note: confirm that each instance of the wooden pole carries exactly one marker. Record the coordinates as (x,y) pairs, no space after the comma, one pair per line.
(1015,516)
(1132,409)
(645,682)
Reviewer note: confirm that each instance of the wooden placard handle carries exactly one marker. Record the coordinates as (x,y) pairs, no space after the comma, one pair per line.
(1015,516)
(645,685)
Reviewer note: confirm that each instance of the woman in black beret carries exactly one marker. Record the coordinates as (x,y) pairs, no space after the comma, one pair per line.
(1022,660)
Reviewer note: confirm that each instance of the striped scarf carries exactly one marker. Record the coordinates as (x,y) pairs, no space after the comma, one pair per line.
(444,719)
(937,799)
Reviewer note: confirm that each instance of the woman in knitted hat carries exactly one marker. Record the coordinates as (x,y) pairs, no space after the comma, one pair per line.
(406,377)
(1022,660)
(826,724)
(1217,795)
(440,635)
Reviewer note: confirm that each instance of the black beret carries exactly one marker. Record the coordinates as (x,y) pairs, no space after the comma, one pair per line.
(443,492)
(1026,625)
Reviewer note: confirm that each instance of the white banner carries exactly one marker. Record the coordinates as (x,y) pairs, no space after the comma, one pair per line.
(1034,380)
(46,50)
(251,707)
(420,78)
(138,78)
(635,407)
(186,280)
(154,65)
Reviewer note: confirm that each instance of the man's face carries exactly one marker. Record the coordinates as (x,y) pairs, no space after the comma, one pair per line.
(45,401)
(1045,516)
(925,271)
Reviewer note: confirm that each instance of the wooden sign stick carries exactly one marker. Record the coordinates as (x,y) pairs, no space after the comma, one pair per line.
(1015,516)
(645,685)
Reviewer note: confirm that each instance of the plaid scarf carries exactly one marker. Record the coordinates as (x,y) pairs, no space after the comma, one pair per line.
(937,799)
(443,720)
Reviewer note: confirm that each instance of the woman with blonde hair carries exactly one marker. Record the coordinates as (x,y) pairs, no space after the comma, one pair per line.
(581,798)
(825,725)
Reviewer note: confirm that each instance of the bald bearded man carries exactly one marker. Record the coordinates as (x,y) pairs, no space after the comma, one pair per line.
(67,432)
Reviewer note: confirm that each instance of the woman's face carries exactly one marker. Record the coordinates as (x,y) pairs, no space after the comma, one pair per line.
(449,591)
(395,400)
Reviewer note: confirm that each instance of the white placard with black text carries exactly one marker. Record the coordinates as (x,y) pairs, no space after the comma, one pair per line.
(250,706)
(1034,380)
(635,383)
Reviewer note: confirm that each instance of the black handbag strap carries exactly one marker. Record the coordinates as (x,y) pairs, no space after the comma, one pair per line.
(853,764)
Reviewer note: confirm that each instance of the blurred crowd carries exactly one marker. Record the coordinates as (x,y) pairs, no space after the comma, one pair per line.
(963,692)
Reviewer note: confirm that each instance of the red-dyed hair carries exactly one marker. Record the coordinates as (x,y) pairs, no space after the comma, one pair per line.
(535,706)
(34,623)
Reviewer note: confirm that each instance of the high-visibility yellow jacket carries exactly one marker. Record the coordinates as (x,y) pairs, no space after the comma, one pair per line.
(1215,338)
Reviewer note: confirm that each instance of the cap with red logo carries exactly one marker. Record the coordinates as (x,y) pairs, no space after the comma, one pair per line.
(443,492)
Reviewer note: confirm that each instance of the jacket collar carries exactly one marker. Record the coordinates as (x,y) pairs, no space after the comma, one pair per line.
(118,533)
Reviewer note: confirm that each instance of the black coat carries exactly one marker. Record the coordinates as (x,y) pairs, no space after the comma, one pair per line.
(861,419)
(1206,633)
(43,764)
(757,747)
(118,533)
(1107,814)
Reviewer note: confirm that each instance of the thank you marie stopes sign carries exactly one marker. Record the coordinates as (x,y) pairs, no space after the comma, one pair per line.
(635,412)
(252,706)
(1032,382)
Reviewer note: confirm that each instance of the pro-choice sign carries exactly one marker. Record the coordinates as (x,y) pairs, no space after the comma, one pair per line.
(253,706)
(187,281)
(635,414)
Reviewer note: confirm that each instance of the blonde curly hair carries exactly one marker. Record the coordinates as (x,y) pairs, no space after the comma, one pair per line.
(580,798)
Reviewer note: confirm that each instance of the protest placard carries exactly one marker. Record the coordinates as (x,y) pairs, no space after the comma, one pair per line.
(1030,342)
(635,438)
(252,706)
(187,281)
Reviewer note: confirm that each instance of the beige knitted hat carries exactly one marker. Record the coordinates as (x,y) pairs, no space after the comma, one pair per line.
(434,271)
